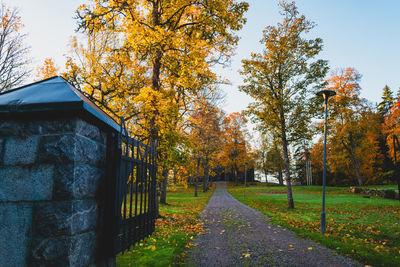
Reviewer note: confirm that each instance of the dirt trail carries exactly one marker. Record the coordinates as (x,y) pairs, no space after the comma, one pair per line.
(237,235)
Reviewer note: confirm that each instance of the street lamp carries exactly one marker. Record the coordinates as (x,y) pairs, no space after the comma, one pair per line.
(326,94)
(245,179)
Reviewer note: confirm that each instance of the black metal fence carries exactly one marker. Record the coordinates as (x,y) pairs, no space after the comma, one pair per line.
(135,192)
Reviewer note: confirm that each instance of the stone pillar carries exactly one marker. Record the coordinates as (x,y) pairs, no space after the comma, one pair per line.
(51,178)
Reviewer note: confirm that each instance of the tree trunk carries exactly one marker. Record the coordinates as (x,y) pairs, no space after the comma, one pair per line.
(197,177)
(354,160)
(287,163)
(155,77)
(280,175)
(398,184)
(235,173)
(206,177)
(357,169)
(164,183)
(266,176)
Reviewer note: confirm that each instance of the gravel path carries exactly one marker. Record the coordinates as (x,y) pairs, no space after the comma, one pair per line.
(237,235)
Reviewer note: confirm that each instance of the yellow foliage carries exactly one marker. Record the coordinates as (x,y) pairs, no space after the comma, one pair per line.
(48,70)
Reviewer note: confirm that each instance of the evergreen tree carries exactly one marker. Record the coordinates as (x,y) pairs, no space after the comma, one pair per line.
(387,100)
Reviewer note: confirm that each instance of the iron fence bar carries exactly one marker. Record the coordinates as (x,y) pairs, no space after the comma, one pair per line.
(141,193)
(136,189)
(154,181)
(147,198)
(136,174)
(131,197)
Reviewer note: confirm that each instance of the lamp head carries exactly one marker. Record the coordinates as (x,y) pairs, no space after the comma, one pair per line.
(326,93)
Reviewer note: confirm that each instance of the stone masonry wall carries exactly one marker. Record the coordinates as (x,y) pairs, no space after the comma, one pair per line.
(51,172)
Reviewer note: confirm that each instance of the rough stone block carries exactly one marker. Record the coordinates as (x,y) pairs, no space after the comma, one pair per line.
(2,142)
(87,181)
(89,152)
(12,128)
(60,126)
(77,181)
(50,252)
(83,249)
(21,151)
(26,183)
(90,131)
(15,224)
(65,251)
(71,148)
(57,149)
(58,218)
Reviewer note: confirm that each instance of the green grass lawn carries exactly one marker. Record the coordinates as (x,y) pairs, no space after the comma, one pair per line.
(366,229)
(168,245)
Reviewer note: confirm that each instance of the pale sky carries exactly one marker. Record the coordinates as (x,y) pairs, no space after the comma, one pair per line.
(364,34)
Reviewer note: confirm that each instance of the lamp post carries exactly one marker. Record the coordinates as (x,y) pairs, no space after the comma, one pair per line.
(326,94)
(245,179)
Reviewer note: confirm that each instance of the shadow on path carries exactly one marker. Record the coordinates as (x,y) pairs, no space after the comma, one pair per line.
(237,235)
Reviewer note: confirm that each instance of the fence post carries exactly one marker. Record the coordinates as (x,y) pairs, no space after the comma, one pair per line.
(53,177)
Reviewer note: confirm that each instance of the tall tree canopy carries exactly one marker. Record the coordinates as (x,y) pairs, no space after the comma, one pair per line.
(175,41)
(391,127)
(234,152)
(282,78)
(148,60)
(205,136)
(353,129)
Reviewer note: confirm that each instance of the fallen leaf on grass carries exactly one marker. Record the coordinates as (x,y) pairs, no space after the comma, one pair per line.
(310,248)
(246,255)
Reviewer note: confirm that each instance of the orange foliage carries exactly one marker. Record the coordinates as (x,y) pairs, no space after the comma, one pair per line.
(391,127)
(48,70)
(234,153)
(354,130)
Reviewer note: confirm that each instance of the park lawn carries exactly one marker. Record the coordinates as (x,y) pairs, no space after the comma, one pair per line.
(366,229)
(170,242)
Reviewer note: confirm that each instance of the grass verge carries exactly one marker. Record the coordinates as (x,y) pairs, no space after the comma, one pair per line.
(366,229)
(170,242)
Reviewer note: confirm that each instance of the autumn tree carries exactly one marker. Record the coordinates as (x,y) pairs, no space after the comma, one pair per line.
(164,33)
(14,57)
(170,46)
(391,128)
(354,128)
(234,152)
(47,70)
(282,78)
(205,135)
